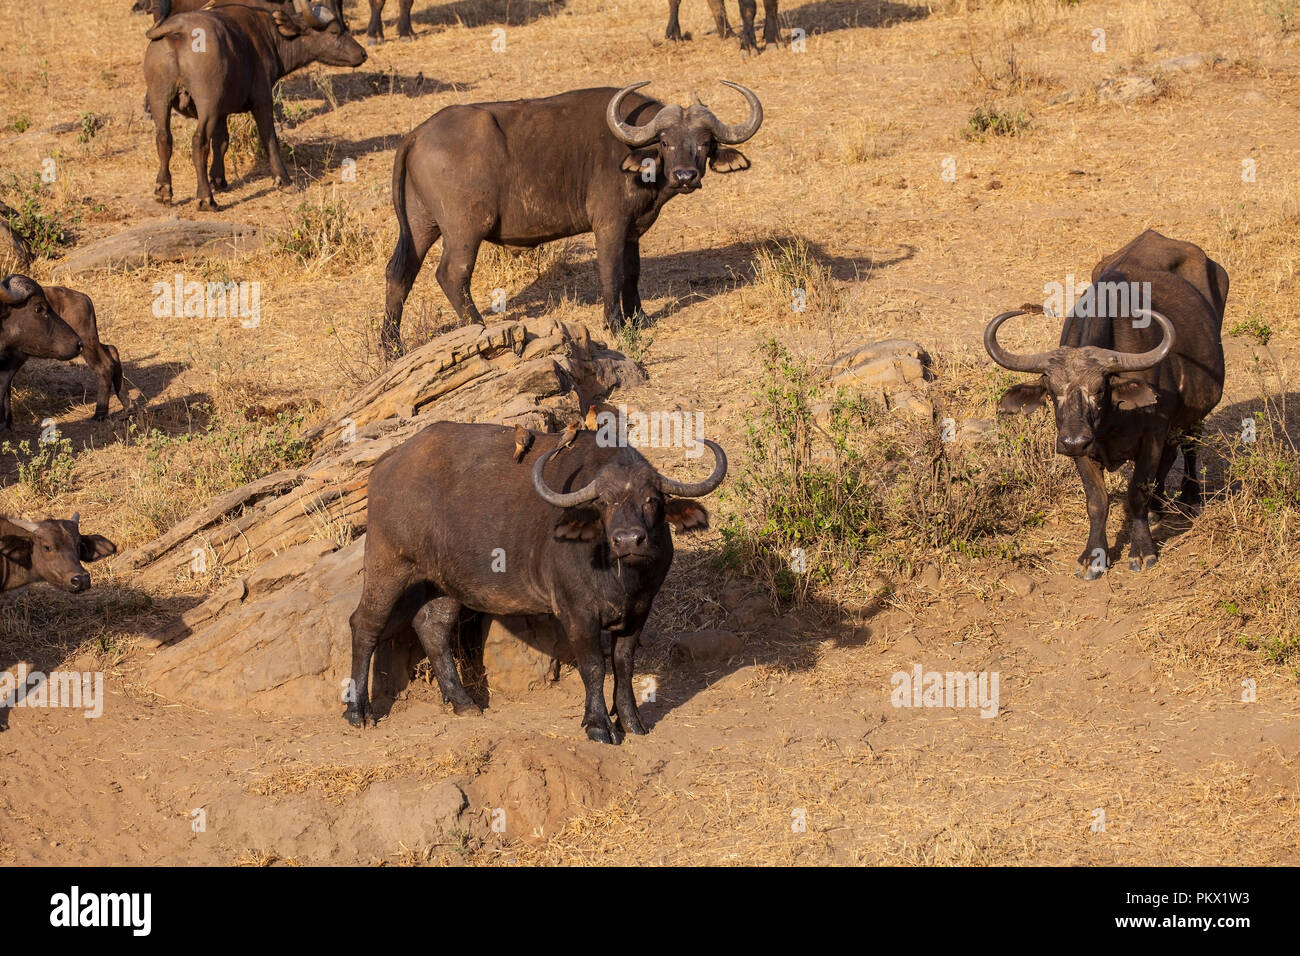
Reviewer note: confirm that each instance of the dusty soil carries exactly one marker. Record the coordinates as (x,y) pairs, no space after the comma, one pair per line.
(1104,704)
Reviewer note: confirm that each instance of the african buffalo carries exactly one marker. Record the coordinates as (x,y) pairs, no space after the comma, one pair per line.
(525,172)
(76,309)
(211,63)
(30,327)
(748,10)
(162,9)
(375,29)
(50,550)
(454,523)
(1127,389)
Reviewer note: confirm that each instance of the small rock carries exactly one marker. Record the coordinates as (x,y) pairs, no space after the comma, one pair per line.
(1019,583)
(1190,61)
(974,429)
(712,645)
(1126,89)
(929,577)
(907,401)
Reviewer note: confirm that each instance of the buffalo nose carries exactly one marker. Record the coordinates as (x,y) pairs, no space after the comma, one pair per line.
(685,176)
(79,582)
(80,347)
(1074,443)
(625,541)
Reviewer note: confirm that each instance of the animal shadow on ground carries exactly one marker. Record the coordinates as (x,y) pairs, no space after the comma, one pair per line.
(824,16)
(476,13)
(337,89)
(706,273)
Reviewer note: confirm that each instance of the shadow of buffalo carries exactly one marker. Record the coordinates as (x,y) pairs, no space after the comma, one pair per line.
(825,16)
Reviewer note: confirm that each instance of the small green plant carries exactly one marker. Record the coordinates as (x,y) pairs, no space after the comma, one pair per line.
(635,339)
(323,232)
(1255,327)
(987,121)
(46,470)
(43,230)
(19,124)
(91,124)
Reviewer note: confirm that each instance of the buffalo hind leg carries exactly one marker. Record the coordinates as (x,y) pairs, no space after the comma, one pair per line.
(9,366)
(1094,560)
(162,123)
(771,23)
(455,271)
(375,29)
(404,265)
(583,633)
(380,592)
(629,719)
(404,31)
(631,282)
(1189,495)
(1159,500)
(719,11)
(748,10)
(1142,549)
(674,30)
(203,134)
(433,624)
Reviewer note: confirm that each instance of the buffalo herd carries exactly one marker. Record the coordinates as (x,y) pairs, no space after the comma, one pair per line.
(490,519)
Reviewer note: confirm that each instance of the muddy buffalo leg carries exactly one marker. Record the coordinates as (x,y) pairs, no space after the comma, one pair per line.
(433,624)
(629,719)
(1094,559)
(1142,550)
(583,633)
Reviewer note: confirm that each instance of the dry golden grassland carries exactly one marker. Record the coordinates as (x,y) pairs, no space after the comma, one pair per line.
(922,166)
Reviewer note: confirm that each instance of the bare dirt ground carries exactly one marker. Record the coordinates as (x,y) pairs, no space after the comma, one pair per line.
(1123,695)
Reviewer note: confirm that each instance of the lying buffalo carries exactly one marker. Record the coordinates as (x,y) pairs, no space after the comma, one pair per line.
(50,550)
(1126,388)
(76,309)
(748,10)
(579,531)
(30,327)
(525,172)
(211,63)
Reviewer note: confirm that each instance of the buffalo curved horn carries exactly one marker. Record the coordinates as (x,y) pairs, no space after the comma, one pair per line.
(739,132)
(76,518)
(30,527)
(634,136)
(570,499)
(1035,362)
(308,15)
(1130,362)
(698,489)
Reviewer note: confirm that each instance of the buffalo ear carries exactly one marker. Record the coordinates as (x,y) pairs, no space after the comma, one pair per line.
(685,514)
(95,546)
(634,162)
(728,160)
(580,524)
(1021,399)
(285,25)
(17,549)
(1132,393)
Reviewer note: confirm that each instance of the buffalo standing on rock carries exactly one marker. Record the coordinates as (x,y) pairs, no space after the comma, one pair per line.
(227,59)
(525,172)
(581,531)
(1126,388)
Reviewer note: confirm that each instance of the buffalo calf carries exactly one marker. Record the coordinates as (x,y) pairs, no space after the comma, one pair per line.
(579,531)
(51,551)
(30,327)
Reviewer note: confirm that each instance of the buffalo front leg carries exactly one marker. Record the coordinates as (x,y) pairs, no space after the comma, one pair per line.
(1093,561)
(1142,549)
(433,624)
(9,367)
(719,11)
(611,243)
(771,23)
(404,31)
(583,633)
(629,719)
(264,115)
(632,282)
(1189,494)
(108,372)
(748,10)
(380,592)
(674,31)
(220,140)
(375,29)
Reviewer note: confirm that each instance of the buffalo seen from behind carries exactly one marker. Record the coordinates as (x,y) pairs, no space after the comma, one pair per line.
(579,531)
(1126,388)
(748,10)
(227,59)
(51,550)
(525,172)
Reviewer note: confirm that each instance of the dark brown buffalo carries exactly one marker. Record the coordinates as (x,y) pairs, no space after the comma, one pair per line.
(748,10)
(525,172)
(162,9)
(1126,388)
(580,532)
(211,63)
(76,309)
(50,550)
(30,327)
(375,29)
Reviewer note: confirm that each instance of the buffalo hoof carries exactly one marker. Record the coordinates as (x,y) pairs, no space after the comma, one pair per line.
(1089,573)
(1137,563)
(101,415)
(470,709)
(163,193)
(406,38)
(605,733)
(208,205)
(358,716)
(219,184)
(632,725)
(374,41)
